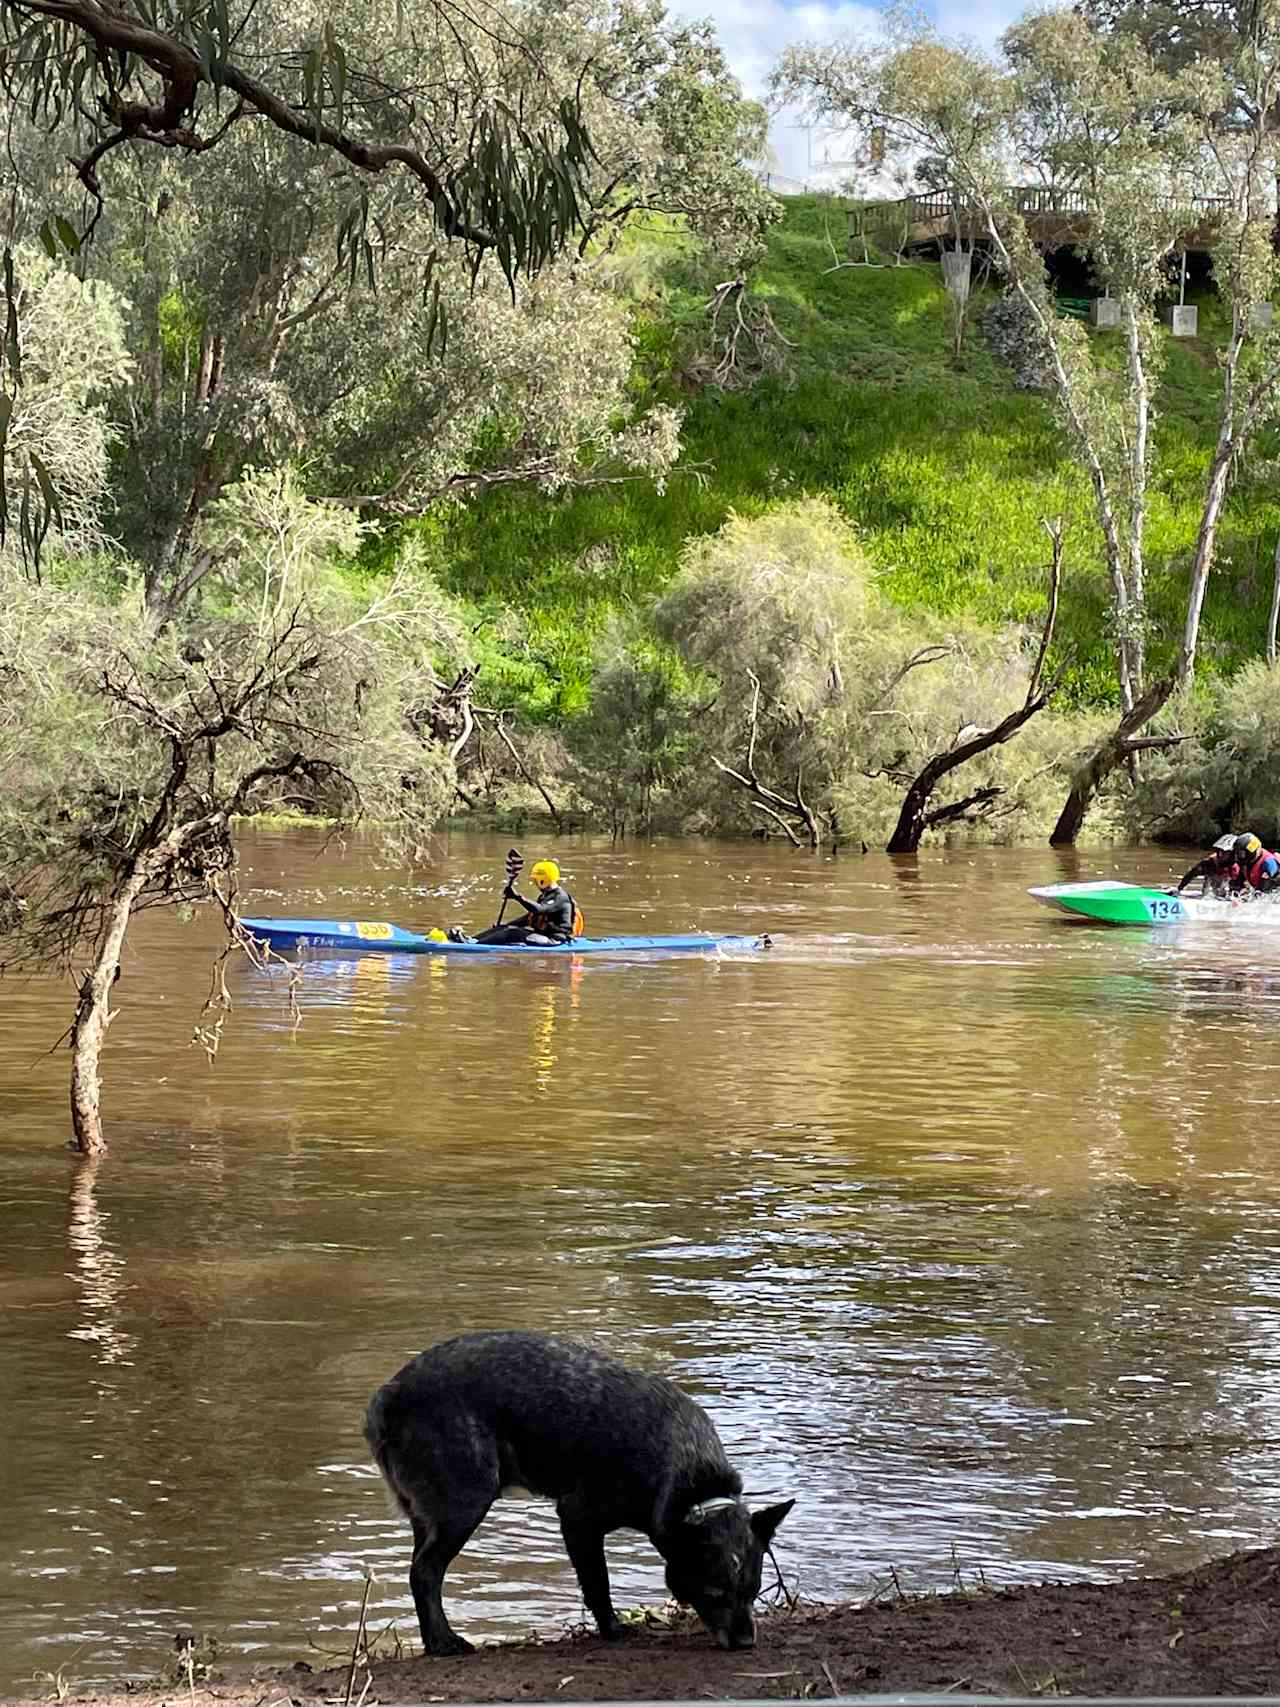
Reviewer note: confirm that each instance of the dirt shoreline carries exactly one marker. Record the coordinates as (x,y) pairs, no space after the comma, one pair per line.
(1208,1631)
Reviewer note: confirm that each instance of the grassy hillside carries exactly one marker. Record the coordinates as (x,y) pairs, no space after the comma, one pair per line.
(946,473)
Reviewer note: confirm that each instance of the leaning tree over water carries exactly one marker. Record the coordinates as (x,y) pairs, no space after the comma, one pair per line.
(126,757)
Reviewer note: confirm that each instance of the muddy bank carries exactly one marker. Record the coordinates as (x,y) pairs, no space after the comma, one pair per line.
(1210,1631)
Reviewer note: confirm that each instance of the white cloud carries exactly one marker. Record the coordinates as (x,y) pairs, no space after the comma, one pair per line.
(985,22)
(753,34)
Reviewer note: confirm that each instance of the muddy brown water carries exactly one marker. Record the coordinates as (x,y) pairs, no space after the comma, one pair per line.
(960,1218)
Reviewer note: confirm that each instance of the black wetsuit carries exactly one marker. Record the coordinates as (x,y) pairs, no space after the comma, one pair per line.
(547,920)
(1218,876)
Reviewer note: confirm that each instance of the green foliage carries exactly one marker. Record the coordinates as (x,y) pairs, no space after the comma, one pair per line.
(799,673)
(946,473)
(632,752)
(126,754)
(377,276)
(777,596)
(1225,775)
(72,337)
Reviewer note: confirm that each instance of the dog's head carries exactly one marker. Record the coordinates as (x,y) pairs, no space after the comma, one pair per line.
(715,1556)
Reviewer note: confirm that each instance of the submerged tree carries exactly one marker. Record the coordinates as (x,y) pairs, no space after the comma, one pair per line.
(834,715)
(918,813)
(126,757)
(1152,152)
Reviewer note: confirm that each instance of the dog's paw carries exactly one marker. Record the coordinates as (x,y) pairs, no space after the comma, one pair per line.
(613,1631)
(450,1644)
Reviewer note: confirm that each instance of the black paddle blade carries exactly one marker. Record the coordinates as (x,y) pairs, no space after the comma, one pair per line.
(514,863)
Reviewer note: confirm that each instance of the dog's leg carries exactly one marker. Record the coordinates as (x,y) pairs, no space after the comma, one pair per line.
(435,1546)
(584,1543)
(443,1466)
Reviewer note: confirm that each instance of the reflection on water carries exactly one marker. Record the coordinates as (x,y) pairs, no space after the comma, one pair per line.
(98,1269)
(957,1215)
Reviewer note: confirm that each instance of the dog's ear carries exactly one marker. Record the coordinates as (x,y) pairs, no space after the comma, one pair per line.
(765,1522)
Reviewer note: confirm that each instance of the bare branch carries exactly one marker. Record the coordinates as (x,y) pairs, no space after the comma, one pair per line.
(914,819)
(768,799)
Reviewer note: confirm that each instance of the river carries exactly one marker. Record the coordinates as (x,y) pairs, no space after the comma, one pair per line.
(959,1217)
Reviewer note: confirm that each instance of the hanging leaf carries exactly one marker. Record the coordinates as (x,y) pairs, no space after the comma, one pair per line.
(222,35)
(48,491)
(12,341)
(6,416)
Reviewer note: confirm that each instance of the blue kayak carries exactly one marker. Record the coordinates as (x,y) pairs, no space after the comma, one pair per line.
(369,934)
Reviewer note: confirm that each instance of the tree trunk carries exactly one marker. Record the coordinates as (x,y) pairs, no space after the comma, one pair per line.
(93,1016)
(1273,621)
(170,578)
(1113,752)
(1135,641)
(1121,744)
(914,818)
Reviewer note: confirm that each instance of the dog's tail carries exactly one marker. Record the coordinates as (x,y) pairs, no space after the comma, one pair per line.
(377,1427)
(383,1429)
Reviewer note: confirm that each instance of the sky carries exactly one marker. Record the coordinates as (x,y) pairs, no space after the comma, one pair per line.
(754,33)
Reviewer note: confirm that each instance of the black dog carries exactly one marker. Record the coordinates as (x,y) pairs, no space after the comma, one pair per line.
(484,1414)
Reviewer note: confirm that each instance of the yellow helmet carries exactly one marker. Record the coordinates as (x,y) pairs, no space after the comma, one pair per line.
(546,873)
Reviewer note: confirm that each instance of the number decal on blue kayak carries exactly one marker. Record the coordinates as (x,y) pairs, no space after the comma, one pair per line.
(373,932)
(1161,912)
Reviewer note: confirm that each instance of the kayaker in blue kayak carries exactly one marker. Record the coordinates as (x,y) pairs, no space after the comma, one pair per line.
(1219,871)
(553,918)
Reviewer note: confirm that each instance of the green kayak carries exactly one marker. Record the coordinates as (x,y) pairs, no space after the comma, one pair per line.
(1109,903)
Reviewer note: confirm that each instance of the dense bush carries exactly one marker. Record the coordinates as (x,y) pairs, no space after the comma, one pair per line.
(1225,775)
(789,666)
(632,752)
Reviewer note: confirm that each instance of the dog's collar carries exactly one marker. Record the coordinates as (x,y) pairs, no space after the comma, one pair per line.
(700,1512)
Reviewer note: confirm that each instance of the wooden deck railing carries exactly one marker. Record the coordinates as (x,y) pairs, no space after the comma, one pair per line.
(931,206)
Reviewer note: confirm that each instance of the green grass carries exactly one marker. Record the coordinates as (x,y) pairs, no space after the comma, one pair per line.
(947,472)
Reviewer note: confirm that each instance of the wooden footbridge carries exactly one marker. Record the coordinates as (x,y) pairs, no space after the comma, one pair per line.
(1056,219)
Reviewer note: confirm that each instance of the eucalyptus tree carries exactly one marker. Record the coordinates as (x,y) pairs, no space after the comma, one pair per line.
(302,289)
(393,94)
(1148,148)
(253,347)
(1176,33)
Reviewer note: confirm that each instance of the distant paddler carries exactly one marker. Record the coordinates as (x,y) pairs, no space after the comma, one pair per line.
(551,919)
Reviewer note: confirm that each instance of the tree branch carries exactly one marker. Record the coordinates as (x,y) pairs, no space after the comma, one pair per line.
(182,72)
(913,819)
